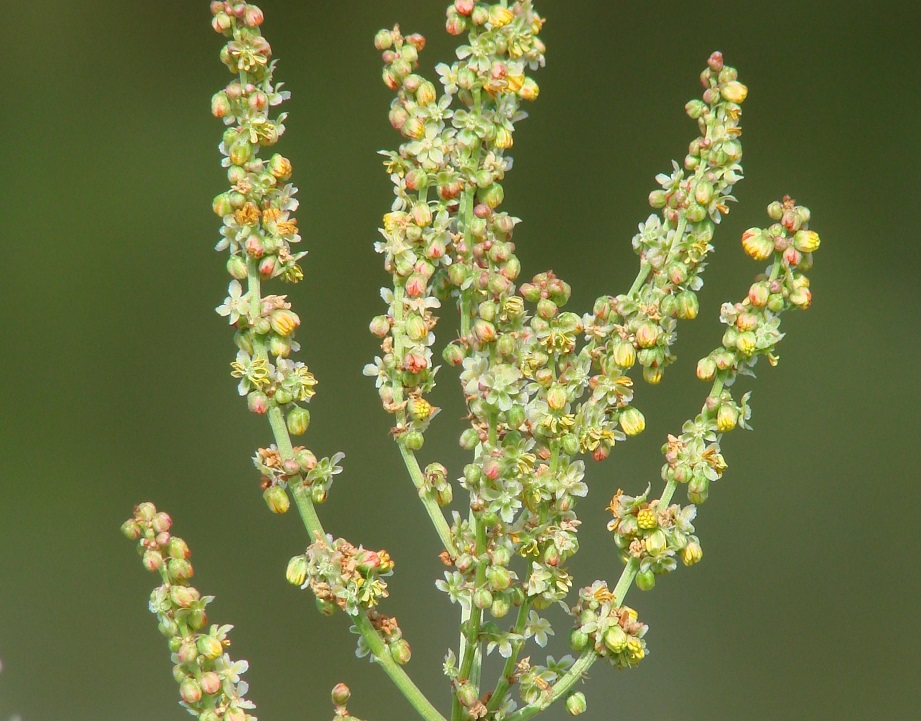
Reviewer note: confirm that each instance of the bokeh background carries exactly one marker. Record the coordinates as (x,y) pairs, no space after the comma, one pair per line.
(115,381)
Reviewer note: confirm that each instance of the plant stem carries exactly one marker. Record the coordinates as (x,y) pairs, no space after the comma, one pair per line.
(311,521)
(561,687)
(504,683)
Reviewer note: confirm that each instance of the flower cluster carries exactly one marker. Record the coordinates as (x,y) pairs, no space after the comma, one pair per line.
(694,456)
(653,535)
(350,578)
(209,681)
(258,234)
(612,631)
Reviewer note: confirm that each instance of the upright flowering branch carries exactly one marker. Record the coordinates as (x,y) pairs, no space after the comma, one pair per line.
(543,386)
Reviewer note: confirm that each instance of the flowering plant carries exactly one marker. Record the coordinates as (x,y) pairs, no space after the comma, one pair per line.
(544,387)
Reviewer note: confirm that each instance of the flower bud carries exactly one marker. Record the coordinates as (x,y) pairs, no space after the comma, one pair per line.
(482,598)
(152,560)
(179,570)
(698,489)
(413,440)
(575,703)
(615,639)
(325,607)
(646,580)
(284,321)
(444,495)
(556,397)
(757,244)
(341,694)
(691,553)
(209,647)
(726,417)
(632,421)
(276,498)
(499,16)
(647,334)
(400,651)
(806,241)
(484,331)
(624,354)
(190,691)
(453,354)
(469,439)
(296,573)
(734,92)
(578,640)
(498,577)
(652,375)
(258,402)
(298,421)
(131,529)
(746,342)
(801,297)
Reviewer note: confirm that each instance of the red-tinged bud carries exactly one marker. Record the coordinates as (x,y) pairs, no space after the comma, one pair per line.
(221,22)
(220,105)
(706,369)
(647,334)
(188,652)
(235,714)
(453,354)
(253,16)
(178,548)
(792,256)
(152,560)
(240,152)
(276,498)
(267,267)
(464,7)
(400,651)
(341,694)
(257,402)
(556,397)
(758,294)
(450,189)
(380,326)
(416,286)
(600,453)
(210,683)
(390,78)
(791,221)
(179,570)
(413,128)
(190,691)
(529,90)
(131,529)
(484,331)
(236,266)
(757,244)
(383,40)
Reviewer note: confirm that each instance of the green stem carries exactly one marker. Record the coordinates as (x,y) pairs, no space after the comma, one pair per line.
(308,513)
(412,693)
(409,459)
(472,644)
(559,689)
(505,682)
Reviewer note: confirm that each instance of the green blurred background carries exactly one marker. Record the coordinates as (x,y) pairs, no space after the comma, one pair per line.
(115,379)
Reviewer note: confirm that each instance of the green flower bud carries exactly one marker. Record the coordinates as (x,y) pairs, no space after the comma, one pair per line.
(413,440)
(615,639)
(578,640)
(400,651)
(179,570)
(131,529)
(746,342)
(569,444)
(500,607)
(341,694)
(498,577)
(276,498)
(657,199)
(325,607)
(706,369)
(298,421)
(775,302)
(209,647)
(482,598)
(656,542)
(668,306)
(698,489)
(296,573)
(688,305)
(632,421)
(575,703)
(646,580)
(652,375)
(444,495)
(556,397)
(515,416)
(469,439)
(453,354)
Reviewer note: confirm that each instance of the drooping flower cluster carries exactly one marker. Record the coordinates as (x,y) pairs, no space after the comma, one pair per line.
(652,535)
(258,234)
(209,680)
(612,631)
